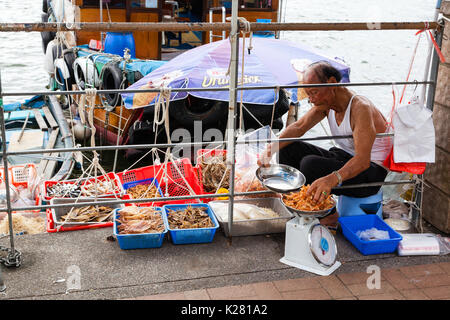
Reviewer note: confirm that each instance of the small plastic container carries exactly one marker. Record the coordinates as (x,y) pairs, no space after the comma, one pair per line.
(188,236)
(352,224)
(140,240)
(129,185)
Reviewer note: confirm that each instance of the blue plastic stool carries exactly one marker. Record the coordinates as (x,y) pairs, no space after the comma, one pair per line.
(350,206)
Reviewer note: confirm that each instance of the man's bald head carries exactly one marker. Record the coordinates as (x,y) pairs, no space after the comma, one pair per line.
(321,72)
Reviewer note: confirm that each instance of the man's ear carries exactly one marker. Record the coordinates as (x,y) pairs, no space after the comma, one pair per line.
(332,79)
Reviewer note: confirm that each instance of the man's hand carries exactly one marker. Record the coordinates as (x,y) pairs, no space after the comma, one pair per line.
(264,158)
(321,188)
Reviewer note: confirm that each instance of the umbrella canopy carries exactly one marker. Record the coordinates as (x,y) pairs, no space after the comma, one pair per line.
(271,62)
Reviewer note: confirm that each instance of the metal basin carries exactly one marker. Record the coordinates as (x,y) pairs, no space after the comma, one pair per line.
(280,178)
(313,214)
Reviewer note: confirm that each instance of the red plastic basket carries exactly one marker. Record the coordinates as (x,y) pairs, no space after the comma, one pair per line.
(175,184)
(19,176)
(112,176)
(201,155)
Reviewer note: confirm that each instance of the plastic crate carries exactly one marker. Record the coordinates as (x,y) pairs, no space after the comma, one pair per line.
(175,185)
(352,224)
(129,185)
(205,153)
(19,177)
(140,240)
(21,174)
(189,236)
(112,176)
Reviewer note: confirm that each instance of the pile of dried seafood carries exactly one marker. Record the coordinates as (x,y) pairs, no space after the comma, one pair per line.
(143,191)
(214,171)
(135,220)
(98,187)
(190,218)
(88,214)
(64,190)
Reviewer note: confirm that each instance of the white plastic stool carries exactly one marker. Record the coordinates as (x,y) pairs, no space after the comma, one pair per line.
(350,206)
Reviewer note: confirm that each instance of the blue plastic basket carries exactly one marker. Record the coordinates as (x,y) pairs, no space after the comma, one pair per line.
(352,224)
(140,240)
(129,185)
(186,236)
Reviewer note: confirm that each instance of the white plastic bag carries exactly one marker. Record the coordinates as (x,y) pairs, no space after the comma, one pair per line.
(414,134)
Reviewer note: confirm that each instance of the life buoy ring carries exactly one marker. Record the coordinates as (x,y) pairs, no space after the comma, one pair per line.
(64,70)
(111,79)
(49,59)
(85,73)
(46,36)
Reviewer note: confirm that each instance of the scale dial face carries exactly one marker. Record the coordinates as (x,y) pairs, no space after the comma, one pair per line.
(322,245)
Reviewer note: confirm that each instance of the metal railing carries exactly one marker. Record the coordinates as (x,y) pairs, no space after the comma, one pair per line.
(13,255)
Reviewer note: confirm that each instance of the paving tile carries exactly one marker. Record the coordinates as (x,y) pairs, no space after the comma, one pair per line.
(231,292)
(267,291)
(397,279)
(355,278)
(348,298)
(435,280)
(361,289)
(383,296)
(306,294)
(414,294)
(335,288)
(197,295)
(421,270)
(445,266)
(438,292)
(165,296)
(296,284)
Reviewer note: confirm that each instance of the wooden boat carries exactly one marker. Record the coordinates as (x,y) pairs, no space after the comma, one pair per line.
(39,123)
(148,49)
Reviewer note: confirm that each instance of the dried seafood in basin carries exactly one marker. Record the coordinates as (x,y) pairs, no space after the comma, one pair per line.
(88,214)
(134,220)
(189,218)
(143,191)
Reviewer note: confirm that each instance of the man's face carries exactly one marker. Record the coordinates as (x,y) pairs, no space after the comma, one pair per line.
(317,95)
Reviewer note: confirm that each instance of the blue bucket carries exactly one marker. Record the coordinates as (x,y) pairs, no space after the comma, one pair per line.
(116,42)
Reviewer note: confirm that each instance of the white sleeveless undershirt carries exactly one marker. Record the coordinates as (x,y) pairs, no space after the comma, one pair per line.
(381,146)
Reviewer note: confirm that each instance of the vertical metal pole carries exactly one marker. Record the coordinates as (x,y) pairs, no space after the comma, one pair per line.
(231,126)
(5,169)
(101,20)
(2,283)
(429,55)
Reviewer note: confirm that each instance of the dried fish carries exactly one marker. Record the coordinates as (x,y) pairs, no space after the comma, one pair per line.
(190,218)
(143,191)
(88,214)
(215,173)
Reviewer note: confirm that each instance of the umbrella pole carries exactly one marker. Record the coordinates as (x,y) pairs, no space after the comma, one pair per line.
(231,125)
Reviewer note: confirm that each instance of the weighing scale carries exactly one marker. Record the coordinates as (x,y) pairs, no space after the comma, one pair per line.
(309,245)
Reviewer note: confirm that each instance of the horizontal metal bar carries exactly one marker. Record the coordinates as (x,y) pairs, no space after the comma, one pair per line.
(213,26)
(217,195)
(318,85)
(181,144)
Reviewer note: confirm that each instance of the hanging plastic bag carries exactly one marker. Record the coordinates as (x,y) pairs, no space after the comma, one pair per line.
(414,137)
(247,155)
